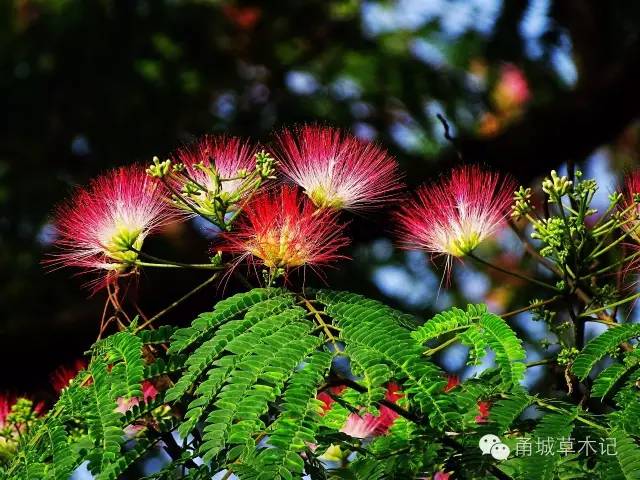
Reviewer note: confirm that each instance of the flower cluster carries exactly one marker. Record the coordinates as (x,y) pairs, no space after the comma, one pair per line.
(149,392)
(369,425)
(6,402)
(214,174)
(17,416)
(230,183)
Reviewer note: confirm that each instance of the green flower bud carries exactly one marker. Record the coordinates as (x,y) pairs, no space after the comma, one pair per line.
(159,169)
(522,204)
(556,186)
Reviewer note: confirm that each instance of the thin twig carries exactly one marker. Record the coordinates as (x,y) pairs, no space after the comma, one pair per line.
(179,301)
(447,135)
(513,274)
(533,252)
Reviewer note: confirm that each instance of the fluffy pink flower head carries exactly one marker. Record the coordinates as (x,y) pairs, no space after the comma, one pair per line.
(629,205)
(337,170)
(441,476)
(452,382)
(62,376)
(484,409)
(149,393)
(283,230)
(103,224)
(368,425)
(6,403)
(229,156)
(454,215)
(328,399)
(512,90)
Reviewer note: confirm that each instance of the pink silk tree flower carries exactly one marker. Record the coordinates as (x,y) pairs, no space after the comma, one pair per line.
(452,382)
(630,207)
(62,376)
(104,225)
(368,425)
(230,157)
(512,90)
(6,403)
(483,412)
(441,476)
(283,230)
(149,392)
(337,170)
(327,399)
(453,216)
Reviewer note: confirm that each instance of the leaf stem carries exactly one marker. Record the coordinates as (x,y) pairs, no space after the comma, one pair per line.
(442,346)
(532,306)
(321,322)
(543,361)
(561,410)
(611,305)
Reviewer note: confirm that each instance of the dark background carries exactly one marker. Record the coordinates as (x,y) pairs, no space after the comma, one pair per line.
(526,86)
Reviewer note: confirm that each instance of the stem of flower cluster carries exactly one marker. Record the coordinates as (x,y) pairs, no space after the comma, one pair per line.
(195,266)
(545,262)
(189,205)
(235,214)
(603,321)
(611,305)
(513,274)
(612,266)
(163,263)
(604,250)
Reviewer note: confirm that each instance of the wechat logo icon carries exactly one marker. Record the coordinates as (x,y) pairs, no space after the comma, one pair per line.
(491,445)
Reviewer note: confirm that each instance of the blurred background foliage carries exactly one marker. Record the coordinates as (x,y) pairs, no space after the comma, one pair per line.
(526,86)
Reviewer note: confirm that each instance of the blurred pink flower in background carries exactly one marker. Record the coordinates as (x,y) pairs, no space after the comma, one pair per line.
(62,376)
(369,425)
(512,90)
